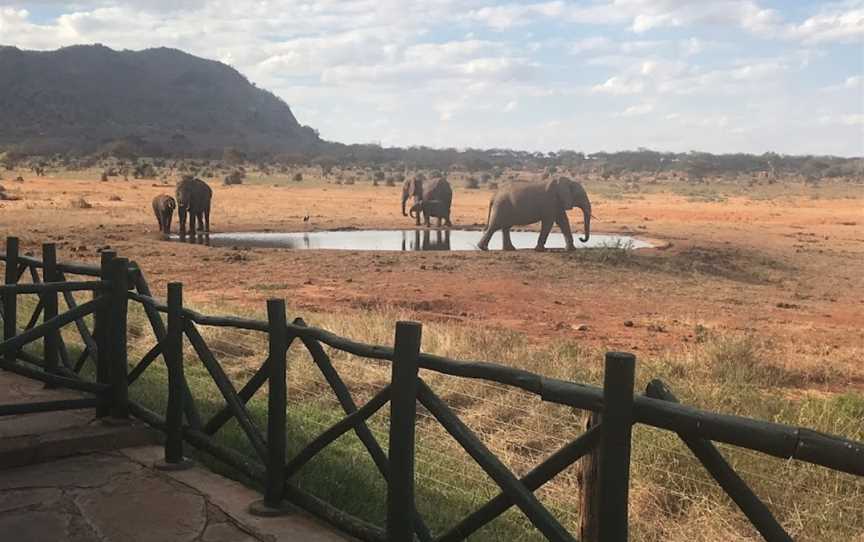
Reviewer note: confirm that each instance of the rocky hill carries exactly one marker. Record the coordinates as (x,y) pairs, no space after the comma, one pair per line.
(160,101)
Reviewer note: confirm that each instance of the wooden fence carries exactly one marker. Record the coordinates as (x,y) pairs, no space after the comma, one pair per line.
(606,443)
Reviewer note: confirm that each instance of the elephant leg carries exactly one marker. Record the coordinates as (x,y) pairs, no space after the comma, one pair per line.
(508,244)
(564,223)
(181,214)
(545,228)
(168,224)
(487,235)
(207,220)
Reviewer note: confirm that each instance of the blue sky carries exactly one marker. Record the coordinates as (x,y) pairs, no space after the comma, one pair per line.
(679,75)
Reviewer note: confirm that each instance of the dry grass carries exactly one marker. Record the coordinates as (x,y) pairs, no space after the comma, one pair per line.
(672,498)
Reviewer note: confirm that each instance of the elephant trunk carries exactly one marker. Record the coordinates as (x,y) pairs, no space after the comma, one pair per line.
(586,213)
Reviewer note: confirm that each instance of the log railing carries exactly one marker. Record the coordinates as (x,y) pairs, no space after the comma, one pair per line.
(607,443)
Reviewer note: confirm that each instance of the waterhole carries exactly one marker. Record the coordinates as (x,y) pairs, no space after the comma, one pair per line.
(401,240)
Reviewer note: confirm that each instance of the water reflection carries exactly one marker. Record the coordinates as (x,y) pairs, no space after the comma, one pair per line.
(424,240)
(396,240)
(200,238)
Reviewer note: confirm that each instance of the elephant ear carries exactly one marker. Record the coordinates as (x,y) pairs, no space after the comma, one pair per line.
(564,189)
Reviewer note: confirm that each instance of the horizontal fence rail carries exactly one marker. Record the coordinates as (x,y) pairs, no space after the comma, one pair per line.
(606,444)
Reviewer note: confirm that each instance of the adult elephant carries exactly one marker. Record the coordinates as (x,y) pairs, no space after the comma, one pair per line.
(544,202)
(421,190)
(163,207)
(193,197)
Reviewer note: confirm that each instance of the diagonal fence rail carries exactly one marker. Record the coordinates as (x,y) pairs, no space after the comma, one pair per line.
(604,449)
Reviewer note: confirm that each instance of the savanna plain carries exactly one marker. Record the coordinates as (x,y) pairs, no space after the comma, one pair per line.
(751,303)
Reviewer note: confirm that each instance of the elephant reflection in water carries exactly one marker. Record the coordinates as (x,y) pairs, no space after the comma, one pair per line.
(202,238)
(425,240)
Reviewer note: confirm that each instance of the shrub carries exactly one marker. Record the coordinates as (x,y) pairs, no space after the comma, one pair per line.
(472,182)
(391,181)
(233,178)
(80,203)
(104,177)
(493,186)
(115,198)
(297,177)
(349,181)
(379,176)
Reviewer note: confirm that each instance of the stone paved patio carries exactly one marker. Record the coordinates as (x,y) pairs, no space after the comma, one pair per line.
(55,485)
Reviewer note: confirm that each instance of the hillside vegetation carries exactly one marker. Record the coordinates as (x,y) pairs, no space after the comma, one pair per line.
(84,98)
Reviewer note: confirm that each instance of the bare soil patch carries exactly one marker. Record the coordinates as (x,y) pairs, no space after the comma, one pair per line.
(787,268)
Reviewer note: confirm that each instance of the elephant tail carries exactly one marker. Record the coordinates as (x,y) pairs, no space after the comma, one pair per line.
(489,213)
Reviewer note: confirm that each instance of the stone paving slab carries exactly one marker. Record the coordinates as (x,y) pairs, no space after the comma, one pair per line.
(234,499)
(67,491)
(31,438)
(117,497)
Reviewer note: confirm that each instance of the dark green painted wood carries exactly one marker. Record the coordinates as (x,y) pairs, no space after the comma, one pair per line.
(322,360)
(225,387)
(542,473)
(51,352)
(246,392)
(539,516)
(10,300)
(82,359)
(737,489)
(83,330)
(277,398)
(403,417)
(617,419)
(101,332)
(57,380)
(174,360)
(117,315)
(14,344)
(337,430)
(48,406)
(145,362)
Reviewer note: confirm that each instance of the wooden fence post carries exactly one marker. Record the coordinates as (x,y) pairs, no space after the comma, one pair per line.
(277,397)
(589,515)
(615,459)
(101,333)
(116,326)
(51,342)
(403,412)
(172,352)
(10,300)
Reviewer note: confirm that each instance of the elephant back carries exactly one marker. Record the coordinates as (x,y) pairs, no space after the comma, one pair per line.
(438,189)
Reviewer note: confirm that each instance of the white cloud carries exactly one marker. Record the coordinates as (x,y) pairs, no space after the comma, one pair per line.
(509,15)
(438,75)
(839,23)
(637,110)
(619,86)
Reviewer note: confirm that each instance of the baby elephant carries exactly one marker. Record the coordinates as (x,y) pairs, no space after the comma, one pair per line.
(163,206)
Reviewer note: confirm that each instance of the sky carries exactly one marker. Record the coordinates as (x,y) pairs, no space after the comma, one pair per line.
(673,75)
